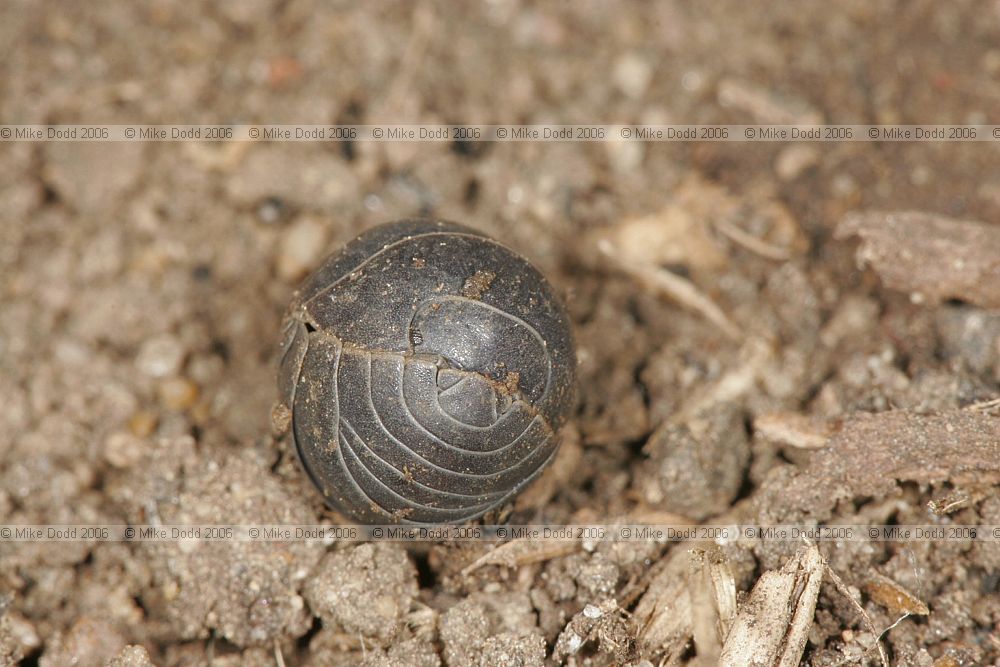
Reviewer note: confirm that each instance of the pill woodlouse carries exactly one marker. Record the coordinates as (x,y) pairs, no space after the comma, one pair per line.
(427,369)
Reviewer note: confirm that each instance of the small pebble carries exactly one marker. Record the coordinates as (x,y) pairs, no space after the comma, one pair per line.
(632,75)
(921,175)
(123,450)
(205,368)
(132,656)
(142,424)
(625,156)
(23,631)
(300,249)
(202,411)
(272,210)
(844,186)
(794,160)
(178,393)
(161,356)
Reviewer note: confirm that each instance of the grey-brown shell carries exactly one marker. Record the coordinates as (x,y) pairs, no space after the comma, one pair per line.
(427,369)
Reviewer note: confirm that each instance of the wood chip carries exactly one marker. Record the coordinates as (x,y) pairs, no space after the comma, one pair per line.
(872,452)
(930,257)
(771,628)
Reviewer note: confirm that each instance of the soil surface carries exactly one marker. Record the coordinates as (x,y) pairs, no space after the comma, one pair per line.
(755,339)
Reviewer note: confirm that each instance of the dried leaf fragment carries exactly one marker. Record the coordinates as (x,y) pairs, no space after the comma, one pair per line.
(892,596)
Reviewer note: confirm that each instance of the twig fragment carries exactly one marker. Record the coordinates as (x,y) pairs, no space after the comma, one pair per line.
(523,552)
(846,592)
(751,242)
(683,291)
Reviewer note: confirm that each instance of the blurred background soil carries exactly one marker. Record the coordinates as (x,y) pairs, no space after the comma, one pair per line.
(142,285)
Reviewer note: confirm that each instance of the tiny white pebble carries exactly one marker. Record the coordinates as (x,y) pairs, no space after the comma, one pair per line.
(300,248)
(632,75)
(692,81)
(794,160)
(920,175)
(592,611)
(188,545)
(161,356)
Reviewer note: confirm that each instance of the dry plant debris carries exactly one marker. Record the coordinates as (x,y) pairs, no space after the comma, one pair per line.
(663,617)
(713,596)
(794,430)
(772,626)
(607,624)
(892,596)
(930,257)
(872,452)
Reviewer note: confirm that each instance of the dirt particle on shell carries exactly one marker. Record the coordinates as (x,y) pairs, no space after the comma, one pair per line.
(477,284)
(281,419)
(511,383)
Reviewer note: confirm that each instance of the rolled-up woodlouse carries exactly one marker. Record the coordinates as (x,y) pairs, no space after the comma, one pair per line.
(427,369)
